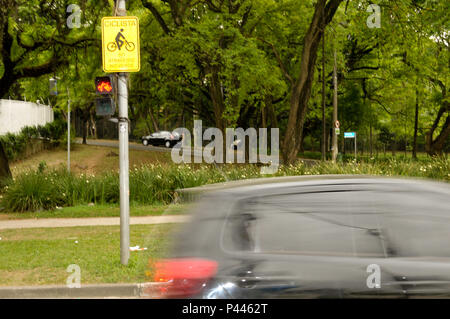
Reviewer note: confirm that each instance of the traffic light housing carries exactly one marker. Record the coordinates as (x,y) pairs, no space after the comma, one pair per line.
(53,86)
(104,85)
(105,106)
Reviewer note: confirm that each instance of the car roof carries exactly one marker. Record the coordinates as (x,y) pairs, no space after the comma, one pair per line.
(267,185)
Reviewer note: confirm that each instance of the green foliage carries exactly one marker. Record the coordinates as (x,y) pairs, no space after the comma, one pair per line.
(42,166)
(13,144)
(16,144)
(32,191)
(252,51)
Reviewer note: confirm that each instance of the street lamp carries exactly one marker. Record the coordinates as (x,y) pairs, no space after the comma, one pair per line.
(54,91)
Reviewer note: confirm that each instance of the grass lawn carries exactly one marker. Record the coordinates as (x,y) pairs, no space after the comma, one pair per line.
(349,155)
(81,211)
(41,256)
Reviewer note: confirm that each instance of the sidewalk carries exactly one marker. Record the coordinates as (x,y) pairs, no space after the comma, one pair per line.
(93,221)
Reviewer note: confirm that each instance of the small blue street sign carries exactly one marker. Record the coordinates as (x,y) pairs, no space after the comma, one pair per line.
(349,134)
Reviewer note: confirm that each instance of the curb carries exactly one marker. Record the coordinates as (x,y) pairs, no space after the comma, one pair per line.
(85,291)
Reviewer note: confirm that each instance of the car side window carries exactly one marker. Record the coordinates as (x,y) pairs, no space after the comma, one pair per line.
(302,224)
(372,222)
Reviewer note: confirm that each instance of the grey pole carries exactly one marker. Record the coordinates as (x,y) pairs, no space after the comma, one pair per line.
(324,125)
(335,111)
(123,158)
(355,146)
(68,131)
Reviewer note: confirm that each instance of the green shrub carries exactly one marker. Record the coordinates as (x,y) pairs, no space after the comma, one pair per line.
(32,191)
(152,184)
(30,131)
(57,129)
(15,144)
(44,131)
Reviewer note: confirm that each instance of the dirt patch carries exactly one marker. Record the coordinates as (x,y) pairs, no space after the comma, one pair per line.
(87,159)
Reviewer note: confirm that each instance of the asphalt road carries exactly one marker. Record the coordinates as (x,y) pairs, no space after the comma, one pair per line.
(136,146)
(132,145)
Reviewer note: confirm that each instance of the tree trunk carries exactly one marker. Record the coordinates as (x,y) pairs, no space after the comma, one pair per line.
(302,149)
(215,91)
(324,124)
(335,150)
(5,172)
(301,88)
(154,121)
(263,117)
(370,138)
(93,126)
(84,125)
(436,146)
(271,111)
(166,116)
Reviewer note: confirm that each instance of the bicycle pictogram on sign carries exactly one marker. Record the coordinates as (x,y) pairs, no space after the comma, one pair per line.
(120,41)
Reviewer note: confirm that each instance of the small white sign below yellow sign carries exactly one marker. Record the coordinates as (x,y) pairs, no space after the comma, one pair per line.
(120,44)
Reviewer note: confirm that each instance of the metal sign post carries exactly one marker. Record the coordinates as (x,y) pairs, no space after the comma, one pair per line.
(335,112)
(351,135)
(123,158)
(120,54)
(124,170)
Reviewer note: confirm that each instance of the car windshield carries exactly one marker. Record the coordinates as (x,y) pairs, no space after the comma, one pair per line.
(359,223)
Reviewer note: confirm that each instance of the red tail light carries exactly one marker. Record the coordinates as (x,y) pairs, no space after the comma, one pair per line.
(181,278)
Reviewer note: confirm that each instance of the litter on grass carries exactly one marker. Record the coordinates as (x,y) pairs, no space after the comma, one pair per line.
(136,248)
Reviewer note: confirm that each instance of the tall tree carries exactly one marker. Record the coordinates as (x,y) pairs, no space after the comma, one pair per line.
(35,40)
(324,12)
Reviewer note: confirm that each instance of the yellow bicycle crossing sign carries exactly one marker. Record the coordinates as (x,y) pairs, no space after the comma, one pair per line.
(120,44)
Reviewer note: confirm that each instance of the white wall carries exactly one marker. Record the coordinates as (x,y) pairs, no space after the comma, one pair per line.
(14,115)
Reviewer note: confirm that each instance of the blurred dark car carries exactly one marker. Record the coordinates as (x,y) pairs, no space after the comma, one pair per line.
(162,138)
(314,237)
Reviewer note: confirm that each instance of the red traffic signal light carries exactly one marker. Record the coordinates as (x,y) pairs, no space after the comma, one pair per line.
(103,85)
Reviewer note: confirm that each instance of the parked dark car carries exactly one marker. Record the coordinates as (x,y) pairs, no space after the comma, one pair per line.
(313,237)
(162,138)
